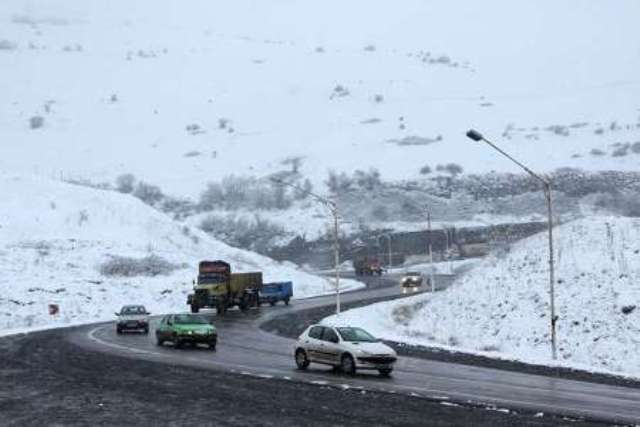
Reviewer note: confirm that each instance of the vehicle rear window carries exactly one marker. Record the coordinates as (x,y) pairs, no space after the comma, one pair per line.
(316,332)
(133,309)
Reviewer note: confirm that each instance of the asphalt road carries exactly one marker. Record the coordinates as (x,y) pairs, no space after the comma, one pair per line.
(245,348)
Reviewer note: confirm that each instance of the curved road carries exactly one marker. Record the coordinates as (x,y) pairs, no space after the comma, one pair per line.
(245,348)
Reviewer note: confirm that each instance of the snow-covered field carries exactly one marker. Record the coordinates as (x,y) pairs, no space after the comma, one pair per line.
(501,307)
(54,237)
(182,94)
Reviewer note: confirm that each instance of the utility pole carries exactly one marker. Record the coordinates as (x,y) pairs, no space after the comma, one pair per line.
(388,236)
(389,248)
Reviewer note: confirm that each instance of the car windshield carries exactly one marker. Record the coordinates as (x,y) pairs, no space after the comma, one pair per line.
(133,309)
(356,335)
(413,273)
(190,319)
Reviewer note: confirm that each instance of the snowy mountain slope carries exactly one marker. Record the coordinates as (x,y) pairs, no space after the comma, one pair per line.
(55,237)
(502,305)
(344,85)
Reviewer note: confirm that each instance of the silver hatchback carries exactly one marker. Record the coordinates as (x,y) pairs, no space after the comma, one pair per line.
(344,347)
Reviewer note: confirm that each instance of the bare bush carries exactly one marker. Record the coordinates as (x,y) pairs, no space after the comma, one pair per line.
(414,140)
(597,152)
(294,162)
(560,130)
(36,122)
(369,180)
(635,147)
(425,170)
(149,194)
(244,192)
(151,265)
(625,203)
(235,190)
(194,129)
(307,188)
(339,91)
(8,45)
(453,168)
(212,197)
(125,183)
(621,149)
(339,182)
(257,234)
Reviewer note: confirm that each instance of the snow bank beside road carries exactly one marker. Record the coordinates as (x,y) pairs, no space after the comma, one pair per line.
(54,238)
(502,306)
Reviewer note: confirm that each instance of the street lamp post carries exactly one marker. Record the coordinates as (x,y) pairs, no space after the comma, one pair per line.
(431,278)
(333,210)
(546,185)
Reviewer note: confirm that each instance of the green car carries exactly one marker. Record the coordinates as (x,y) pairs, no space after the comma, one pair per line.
(186,328)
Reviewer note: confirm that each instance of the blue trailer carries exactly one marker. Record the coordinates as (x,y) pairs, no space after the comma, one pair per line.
(276,291)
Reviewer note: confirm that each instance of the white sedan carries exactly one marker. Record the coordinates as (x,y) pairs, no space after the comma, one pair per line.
(344,347)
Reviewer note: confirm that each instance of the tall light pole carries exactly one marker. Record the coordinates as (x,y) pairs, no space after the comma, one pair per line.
(546,185)
(333,210)
(431,279)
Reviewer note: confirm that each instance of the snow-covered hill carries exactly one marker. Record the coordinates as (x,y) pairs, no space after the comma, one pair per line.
(501,307)
(56,240)
(182,94)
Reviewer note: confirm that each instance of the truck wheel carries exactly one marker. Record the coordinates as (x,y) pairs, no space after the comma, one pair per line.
(302,362)
(286,301)
(347,365)
(195,308)
(220,308)
(272,303)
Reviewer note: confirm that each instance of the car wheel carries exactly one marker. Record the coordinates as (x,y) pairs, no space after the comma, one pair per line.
(347,365)
(146,330)
(119,330)
(177,343)
(212,345)
(159,341)
(286,301)
(272,303)
(385,372)
(302,361)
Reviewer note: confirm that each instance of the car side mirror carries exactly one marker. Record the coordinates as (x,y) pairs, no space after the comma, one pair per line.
(147,313)
(117,314)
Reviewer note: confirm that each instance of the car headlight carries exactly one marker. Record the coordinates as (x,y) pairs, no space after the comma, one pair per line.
(190,332)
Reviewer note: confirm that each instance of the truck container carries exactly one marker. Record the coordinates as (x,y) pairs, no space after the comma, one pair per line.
(276,291)
(367,266)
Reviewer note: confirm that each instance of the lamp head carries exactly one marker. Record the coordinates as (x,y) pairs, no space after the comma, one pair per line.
(475,135)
